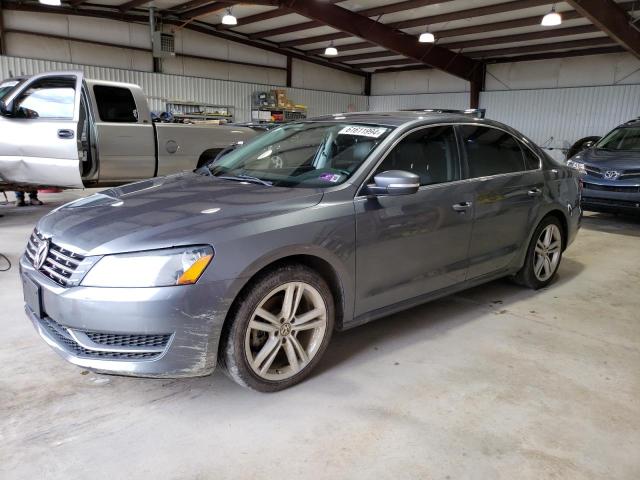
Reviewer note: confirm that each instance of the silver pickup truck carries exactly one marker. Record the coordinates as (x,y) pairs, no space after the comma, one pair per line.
(59,129)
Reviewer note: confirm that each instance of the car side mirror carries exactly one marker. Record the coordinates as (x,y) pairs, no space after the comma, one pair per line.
(395,182)
(6,110)
(588,144)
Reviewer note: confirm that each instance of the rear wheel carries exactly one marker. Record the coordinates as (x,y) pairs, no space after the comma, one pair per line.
(543,255)
(280,329)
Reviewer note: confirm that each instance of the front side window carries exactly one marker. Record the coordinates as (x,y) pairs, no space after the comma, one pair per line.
(531,160)
(115,104)
(430,153)
(48,98)
(490,151)
(306,154)
(624,138)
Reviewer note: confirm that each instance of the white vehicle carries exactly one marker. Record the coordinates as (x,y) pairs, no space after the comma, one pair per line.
(58,129)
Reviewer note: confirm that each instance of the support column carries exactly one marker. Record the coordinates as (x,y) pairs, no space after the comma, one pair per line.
(477,86)
(289,71)
(2,44)
(367,84)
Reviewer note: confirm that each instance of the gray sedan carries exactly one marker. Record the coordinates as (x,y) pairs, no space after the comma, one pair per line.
(316,226)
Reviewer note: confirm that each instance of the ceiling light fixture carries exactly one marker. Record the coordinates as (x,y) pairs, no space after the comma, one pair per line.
(552,18)
(52,3)
(427,37)
(331,51)
(229,19)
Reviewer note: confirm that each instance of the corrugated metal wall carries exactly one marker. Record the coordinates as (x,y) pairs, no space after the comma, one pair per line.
(566,114)
(389,103)
(161,87)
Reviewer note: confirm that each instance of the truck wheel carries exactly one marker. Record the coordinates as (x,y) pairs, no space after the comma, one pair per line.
(543,255)
(280,329)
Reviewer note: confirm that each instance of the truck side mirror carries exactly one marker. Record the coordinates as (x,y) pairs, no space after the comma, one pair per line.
(6,109)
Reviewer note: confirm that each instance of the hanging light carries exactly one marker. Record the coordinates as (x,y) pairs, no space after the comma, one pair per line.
(427,37)
(331,51)
(552,18)
(52,3)
(229,19)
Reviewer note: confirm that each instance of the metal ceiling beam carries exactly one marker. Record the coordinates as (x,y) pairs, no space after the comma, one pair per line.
(388,63)
(552,55)
(524,58)
(522,37)
(451,32)
(369,12)
(380,34)
(204,10)
(182,7)
(261,17)
(609,17)
(542,47)
(115,14)
(125,7)
(443,18)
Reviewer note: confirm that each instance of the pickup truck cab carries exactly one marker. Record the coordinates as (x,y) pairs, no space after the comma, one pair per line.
(60,129)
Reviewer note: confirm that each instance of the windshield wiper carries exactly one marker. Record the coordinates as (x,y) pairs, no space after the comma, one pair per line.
(247,178)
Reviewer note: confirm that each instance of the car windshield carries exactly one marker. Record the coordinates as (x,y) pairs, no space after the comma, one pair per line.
(6,86)
(305,154)
(623,138)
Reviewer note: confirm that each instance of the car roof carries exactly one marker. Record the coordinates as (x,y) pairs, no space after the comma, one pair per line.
(400,118)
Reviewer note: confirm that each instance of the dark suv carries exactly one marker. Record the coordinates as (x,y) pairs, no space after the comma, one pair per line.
(610,170)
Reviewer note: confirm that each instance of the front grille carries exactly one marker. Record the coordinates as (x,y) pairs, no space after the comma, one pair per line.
(117,340)
(66,341)
(60,263)
(611,188)
(610,201)
(593,171)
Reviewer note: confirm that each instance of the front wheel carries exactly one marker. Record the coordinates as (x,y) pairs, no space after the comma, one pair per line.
(280,329)
(543,255)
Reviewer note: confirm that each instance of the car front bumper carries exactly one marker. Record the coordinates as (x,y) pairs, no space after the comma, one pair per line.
(148,332)
(609,195)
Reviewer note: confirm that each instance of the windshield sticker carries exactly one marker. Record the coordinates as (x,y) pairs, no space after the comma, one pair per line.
(373,132)
(330,177)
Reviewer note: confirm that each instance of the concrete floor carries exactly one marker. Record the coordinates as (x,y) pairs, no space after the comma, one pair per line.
(495,383)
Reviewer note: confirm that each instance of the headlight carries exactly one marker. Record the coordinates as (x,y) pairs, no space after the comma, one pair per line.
(576,166)
(156,268)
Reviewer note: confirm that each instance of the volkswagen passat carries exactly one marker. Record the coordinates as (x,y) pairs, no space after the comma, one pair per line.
(610,170)
(312,227)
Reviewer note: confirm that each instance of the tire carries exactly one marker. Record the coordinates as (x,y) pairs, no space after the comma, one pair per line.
(534,274)
(268,345)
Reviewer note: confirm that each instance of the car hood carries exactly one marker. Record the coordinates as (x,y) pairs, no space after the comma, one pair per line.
(182,209)
(599,158)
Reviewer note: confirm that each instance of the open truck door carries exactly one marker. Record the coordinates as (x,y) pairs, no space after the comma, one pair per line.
(40,123)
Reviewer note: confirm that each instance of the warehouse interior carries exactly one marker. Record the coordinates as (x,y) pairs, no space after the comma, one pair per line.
(495,381)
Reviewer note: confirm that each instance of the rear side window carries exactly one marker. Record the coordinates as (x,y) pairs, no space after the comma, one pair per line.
(491,151)
(115,104)
(531,160)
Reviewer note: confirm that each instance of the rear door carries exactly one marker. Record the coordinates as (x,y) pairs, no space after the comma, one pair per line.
(38,141)
(508,191)
(125,137)
(410,245)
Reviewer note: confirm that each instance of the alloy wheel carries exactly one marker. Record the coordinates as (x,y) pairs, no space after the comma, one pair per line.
(285,331)
(547,252)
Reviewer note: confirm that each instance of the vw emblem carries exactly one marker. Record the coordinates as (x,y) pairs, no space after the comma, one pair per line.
(41,253)
(611,174)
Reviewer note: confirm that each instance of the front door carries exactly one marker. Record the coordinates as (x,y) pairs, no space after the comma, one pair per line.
(410,245)
(38,140)
(126,140)
(508,190)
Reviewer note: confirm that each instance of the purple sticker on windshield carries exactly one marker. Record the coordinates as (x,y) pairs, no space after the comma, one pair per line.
(330,177)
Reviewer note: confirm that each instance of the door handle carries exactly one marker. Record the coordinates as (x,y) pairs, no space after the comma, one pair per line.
(534,192)
(64,133)
(462,207)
